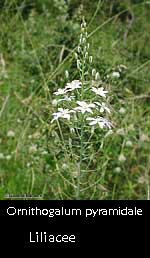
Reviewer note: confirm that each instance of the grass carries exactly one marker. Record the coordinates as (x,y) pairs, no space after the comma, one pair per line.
(37,46)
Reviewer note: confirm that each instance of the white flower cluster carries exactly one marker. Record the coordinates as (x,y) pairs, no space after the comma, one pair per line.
(82,106)
(79,94)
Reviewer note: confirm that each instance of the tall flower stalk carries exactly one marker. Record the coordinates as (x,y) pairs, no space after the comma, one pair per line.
(83,102)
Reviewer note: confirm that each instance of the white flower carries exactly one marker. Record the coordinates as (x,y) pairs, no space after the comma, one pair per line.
(129,143)
(115,74)
(60,92)
(44,152)
(103,107)
(118,169)
(122,110)
(66,98)
(75,174)
(142,180)
(144,137)
(120,131)
(84,107)
(54,102)
(36,135)
(64,166)
(122,157)
(131,127)
(64,113)
(1,156)
(73,85)
(18,121)
(99,91)
(102,122)
(8,157)
(11,134)
(28,164)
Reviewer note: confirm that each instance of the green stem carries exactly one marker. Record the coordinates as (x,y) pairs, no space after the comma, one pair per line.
(63,141)
(80,162)
(81,138)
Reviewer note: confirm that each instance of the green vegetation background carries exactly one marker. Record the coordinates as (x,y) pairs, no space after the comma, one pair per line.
(36,40)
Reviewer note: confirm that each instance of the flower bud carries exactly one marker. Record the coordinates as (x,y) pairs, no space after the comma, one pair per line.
(90,59)
(84,40)
(76,55)
(81,38)
(78,64)
(86,55)
(85,48)
(67,74)
(121,157)
(97,76)
(79,49)
(129,143)
(72,130)
(93,72)
(115,75)
(84,24)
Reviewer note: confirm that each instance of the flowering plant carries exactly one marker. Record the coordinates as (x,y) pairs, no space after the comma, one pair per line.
(78,94)
(82,103)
